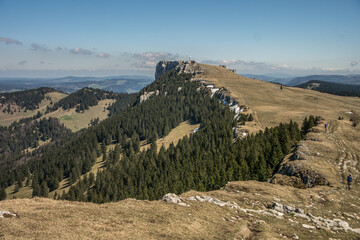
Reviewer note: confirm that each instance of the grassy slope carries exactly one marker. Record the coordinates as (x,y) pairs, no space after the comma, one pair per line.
(272,105)
(76,121)
(71,119)
(184,129)
(6,119)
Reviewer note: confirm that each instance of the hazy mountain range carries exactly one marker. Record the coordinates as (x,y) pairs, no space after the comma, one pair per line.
(291,81)
(126,84)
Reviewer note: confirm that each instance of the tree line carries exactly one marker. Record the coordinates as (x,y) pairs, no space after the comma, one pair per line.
(333,88)
(82,99)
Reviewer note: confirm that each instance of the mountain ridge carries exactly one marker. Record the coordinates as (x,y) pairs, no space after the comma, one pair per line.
(245,209)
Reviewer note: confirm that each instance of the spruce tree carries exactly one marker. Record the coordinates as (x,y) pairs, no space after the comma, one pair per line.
(44,190)
(2,194)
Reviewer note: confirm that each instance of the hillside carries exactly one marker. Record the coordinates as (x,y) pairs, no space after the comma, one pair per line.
(302,197)
(27,104)
(332,88)
(271,104)
(344,79)
(240,210)
(76,110)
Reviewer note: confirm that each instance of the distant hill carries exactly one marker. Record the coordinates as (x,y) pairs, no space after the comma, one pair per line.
(29,99)
(333,88)
(268,78)
(83,99)
(344,79)
(125,84)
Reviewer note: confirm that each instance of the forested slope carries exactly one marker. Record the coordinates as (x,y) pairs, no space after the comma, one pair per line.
(205,161)
(332,88)
(83,99)
(28,99)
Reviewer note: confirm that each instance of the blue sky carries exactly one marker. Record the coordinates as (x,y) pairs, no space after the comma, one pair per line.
(100,38)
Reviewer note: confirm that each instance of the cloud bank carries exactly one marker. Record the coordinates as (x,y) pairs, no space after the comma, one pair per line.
(354,63)
(81,51)
(265,68)
(38,47)
(148,60)
(10,41)
(103,55)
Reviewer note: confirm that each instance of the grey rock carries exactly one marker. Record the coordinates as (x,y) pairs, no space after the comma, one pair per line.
(284,208)
(299,210)
(171,198)
(309,176)
(179,66)
(308,226)
(294,237)
(146,96)
(6,214)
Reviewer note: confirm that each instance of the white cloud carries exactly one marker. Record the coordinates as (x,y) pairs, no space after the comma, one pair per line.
(103,55)
(81,51)
(266,68)
(61,49)
(155,56)
(148,60)
(10,41)
(38,47)
(145,64)
(354,63)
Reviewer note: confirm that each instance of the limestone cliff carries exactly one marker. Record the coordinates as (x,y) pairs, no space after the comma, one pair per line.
(180,66)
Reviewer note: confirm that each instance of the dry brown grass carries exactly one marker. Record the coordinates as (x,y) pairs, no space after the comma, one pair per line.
(132,219)
(184,129)
(272,105)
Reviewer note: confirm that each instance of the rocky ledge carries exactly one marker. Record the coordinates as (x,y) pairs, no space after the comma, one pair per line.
(180,66)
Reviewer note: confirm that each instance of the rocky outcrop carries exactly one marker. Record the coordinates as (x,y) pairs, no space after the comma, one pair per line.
(179,66)
(171,198)
(301,152)
(286,209)
(309,176)
(6,214)
(147,95)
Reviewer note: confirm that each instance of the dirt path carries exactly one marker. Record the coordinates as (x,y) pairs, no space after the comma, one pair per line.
(347,160)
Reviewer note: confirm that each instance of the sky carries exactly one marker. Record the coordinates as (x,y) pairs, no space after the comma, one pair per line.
(42,38)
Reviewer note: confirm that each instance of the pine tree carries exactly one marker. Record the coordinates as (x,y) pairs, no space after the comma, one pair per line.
(44,190)
(17,187)
(2,194)
(36,191)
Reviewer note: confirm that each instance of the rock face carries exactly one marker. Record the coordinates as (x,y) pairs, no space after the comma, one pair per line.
(310,177)
(147,95)
(179,66)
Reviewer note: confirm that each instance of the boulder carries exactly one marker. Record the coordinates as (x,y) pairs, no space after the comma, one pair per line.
(171,198)
(6,214)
